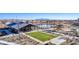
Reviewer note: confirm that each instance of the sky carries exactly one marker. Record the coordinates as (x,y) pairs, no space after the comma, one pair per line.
(61,16)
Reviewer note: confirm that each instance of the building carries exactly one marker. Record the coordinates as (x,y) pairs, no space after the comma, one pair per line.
(7,31)
(2,25)
(22,26)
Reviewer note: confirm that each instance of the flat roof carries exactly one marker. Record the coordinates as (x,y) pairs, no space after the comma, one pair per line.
(17,25)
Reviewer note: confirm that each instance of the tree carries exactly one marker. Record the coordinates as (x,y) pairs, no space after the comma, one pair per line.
(74,32)
(58,27)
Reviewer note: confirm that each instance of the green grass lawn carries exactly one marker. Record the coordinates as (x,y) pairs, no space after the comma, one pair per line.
(42,36)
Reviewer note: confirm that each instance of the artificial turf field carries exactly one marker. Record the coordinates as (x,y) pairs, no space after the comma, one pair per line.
(42,36)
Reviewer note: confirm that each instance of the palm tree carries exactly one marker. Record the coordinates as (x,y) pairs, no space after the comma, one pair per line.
(18,25)
(47,23)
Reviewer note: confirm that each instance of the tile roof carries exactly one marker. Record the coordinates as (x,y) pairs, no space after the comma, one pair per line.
(2,25)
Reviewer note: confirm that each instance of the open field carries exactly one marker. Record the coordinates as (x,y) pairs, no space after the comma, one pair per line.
(42,36)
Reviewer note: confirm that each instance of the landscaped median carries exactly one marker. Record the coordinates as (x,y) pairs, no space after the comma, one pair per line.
(41,36)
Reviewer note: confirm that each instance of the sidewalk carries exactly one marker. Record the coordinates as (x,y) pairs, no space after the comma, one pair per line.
(2,42)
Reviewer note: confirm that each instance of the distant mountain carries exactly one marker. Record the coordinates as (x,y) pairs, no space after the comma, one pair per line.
(42,19)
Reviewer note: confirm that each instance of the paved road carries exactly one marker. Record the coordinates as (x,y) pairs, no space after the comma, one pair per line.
(6,43)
